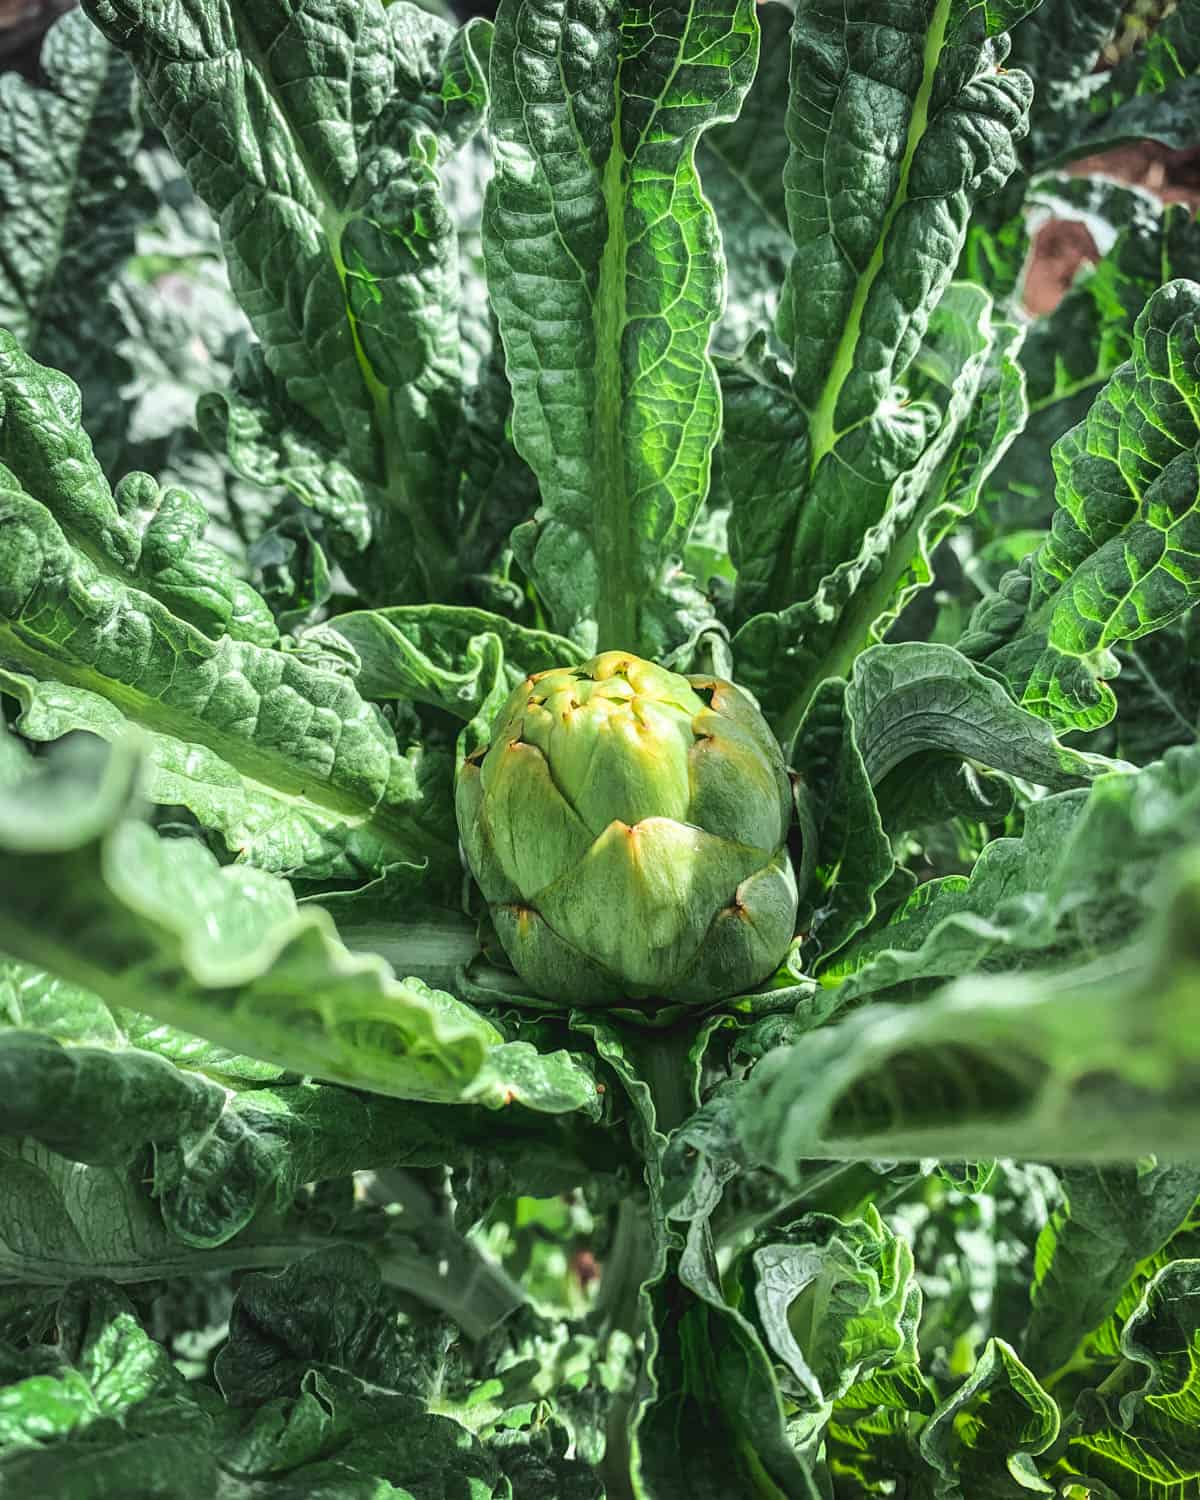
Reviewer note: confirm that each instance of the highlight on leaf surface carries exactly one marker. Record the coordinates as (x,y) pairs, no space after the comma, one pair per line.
(599,753)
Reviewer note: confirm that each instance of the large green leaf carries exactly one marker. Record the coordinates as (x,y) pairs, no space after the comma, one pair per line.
(1121,559)
(70,202)
(606,271)
(107,608)
(327,795)
(835,1302)
(905,706)
(1073,911)
(232,1141)
(139,534)
(741,165)
(934,100)
(1068,355)
(971,383)
(1142,1439)
(1095,1063)
(317,140)
(896,126)
(104,1401)
(157,925)
(716,1425)
(1076,882)
(984,1438)
(1112,1218)
(916,696)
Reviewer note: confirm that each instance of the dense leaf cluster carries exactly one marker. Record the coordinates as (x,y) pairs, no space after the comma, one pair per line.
(356,365)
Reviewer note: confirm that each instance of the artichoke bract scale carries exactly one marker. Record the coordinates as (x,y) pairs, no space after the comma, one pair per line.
(628,829)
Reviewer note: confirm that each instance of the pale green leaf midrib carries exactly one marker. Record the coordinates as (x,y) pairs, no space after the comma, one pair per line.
(823,435)
(1066,392)
(434,555)
(280,781)
(616,623)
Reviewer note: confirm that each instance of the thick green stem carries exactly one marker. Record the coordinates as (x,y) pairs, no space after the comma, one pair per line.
(439,1266)
(629,1265)
(626,1268)
(445,1271)
(663,1065)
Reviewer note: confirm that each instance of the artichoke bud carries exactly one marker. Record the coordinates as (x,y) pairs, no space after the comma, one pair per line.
(628,829)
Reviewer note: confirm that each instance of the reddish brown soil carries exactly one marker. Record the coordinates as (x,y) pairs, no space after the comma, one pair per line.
(1062,245)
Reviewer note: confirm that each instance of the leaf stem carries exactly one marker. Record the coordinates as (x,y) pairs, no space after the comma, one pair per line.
(616,611)
(620,1306)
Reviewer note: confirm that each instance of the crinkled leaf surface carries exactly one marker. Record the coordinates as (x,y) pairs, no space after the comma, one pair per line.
(904,704)
(1111,1220)
(983,1439)
(1095,1063)
(111,905)
(140,533)
(1146,1437)
(741,168)
(318,148)
(1078,881)
(444,655)
(973,393)
(105,1401)
(70,203)
(108,608)
(896,125)
(1121,557)
(835,1302)
(606,272)
(944,123)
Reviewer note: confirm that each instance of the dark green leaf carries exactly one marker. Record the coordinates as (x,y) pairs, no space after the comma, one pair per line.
(606,271)
(983,1439)
(1112,1218)
(70,202)
(1120,558)
(157,925)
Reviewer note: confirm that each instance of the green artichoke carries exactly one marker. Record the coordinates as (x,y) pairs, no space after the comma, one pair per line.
(627,827)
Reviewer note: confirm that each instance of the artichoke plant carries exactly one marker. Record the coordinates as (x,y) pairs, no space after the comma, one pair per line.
(627,827)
